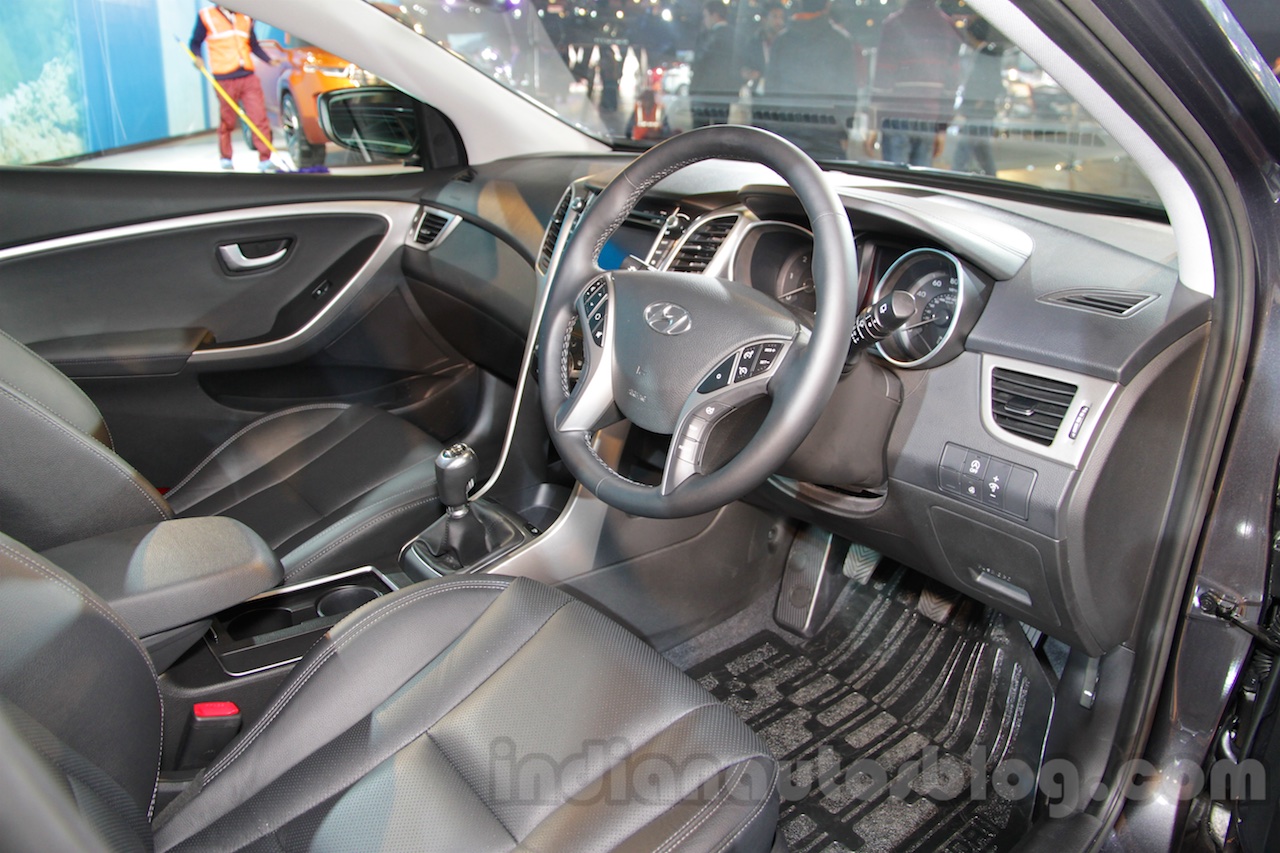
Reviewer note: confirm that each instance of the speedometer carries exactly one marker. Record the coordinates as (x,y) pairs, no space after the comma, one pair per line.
(946,300)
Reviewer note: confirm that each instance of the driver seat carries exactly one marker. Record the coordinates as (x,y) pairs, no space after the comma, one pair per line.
(478,713)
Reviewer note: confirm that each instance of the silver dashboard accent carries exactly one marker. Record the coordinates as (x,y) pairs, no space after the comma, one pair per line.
(1088,409)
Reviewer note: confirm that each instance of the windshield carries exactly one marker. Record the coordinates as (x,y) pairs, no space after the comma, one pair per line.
(914,84)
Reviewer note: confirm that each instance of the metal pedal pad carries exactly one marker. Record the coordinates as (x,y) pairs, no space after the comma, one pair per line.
(935,606)
(860,563)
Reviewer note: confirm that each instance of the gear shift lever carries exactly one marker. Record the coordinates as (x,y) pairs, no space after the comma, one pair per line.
(456,469)
(469,533)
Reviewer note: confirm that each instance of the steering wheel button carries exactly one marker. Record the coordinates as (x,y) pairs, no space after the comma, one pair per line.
(747,362)
(594,299)
(696,429)
(688,449)
(597,336)
(768,355)
(713,410)
(597,318)
(719,377)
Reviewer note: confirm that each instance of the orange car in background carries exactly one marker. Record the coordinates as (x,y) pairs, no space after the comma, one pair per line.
(291,89)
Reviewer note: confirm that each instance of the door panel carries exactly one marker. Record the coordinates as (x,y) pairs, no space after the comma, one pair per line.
(173,277)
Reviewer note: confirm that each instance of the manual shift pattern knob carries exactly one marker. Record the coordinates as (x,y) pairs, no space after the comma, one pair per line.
(456,469)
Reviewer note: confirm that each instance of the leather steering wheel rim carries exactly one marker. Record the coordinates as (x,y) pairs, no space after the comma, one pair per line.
(800,384)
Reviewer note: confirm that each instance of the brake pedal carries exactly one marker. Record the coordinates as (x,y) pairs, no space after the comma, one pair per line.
(860,563)
(936,606)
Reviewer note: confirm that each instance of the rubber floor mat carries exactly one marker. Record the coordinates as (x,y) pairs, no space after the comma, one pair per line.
(895,733)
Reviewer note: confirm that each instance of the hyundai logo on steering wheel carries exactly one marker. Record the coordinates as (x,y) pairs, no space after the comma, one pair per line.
(667,318)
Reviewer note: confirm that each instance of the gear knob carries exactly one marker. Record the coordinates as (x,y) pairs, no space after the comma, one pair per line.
(456,469)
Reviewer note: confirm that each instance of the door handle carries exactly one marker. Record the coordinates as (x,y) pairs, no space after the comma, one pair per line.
(235,260)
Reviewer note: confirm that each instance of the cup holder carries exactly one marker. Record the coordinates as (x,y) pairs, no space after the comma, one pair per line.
(344,599)
(258,622)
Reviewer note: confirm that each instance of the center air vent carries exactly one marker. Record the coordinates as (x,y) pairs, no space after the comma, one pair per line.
(432,227)
(1031,407)
(553,231)
(1118,303)
(704,241)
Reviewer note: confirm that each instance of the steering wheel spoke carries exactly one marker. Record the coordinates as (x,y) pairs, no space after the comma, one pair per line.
(743,376)
(590,405)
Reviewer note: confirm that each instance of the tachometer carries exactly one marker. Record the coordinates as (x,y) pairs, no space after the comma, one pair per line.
(946,299)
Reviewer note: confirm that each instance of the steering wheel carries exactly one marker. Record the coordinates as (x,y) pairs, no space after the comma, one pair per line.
(677,353)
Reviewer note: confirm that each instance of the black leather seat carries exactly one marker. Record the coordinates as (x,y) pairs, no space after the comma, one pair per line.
(478,713)
(328,486)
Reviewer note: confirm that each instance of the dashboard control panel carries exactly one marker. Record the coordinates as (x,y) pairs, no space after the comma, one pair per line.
(994,483)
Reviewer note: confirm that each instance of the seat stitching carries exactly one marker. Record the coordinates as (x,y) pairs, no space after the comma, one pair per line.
(26,393)
(403,744)
(703,815)
(92,445)
(259,422)
(359,627)
(114,620)
(764,801)
(363,527)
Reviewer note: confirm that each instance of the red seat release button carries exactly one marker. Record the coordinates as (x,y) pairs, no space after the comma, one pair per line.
(206,710)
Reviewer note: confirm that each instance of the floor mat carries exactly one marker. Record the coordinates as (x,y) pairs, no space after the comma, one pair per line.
(895,732)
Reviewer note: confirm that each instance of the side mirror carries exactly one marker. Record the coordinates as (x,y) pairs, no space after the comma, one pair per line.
(374,121)
(379,121)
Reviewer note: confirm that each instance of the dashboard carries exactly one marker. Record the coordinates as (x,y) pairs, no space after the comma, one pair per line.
(1017,437)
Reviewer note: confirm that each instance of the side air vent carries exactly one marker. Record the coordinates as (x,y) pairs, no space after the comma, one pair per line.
(695,253)
(431,226)
(1117,303)
(1031,407)
(553,231)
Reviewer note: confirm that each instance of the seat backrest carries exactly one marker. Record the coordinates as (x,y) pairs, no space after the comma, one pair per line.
(79,701)
(61,480)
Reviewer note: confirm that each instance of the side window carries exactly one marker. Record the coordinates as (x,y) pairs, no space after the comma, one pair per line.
(115,85)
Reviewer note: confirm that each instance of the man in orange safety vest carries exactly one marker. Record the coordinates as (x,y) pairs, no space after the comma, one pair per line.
(232,46)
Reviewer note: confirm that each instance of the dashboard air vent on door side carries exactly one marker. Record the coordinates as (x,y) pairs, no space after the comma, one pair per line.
(1031,407)
(696,252)
(431,226)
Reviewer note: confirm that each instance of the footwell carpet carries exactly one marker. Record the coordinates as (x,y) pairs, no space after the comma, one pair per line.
(895,733)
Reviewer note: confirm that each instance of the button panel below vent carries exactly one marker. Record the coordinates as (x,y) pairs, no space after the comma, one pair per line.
(1030,407)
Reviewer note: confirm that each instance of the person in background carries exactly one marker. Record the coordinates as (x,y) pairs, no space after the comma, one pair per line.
(917,74)
(648,122)
(232,46)
(979,98)
(756,62)
(715,78)
(815,58)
